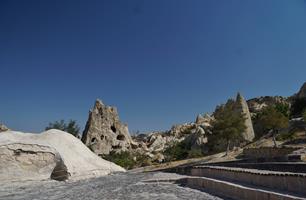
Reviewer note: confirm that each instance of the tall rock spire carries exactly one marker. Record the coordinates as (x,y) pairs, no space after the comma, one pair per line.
(104,132)
(242,107)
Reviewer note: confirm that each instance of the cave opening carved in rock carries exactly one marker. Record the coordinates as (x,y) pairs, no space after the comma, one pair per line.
(113,128)
(60,172)
(121,137)
(93,140)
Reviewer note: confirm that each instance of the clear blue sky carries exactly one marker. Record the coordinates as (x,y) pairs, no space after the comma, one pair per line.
(160,62)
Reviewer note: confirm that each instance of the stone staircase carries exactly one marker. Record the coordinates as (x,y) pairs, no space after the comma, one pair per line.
(240,183)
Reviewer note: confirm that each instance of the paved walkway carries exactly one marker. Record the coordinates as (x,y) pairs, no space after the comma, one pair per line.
(124,186)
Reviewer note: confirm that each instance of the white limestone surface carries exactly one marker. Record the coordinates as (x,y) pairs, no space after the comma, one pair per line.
(34,156)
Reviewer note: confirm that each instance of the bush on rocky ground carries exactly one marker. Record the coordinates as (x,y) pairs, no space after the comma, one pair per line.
(180,151)
(285,136)
(127,159)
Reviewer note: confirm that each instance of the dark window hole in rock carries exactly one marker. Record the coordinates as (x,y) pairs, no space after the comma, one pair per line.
(113,129)
(93,140)
(116,147)
(60,172)
(120,137)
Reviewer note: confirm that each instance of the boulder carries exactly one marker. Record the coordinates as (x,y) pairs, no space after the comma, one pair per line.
(3,128)
(104,132)
(204,121)
(52,154)
(181,129)
(157,143)
(197,138)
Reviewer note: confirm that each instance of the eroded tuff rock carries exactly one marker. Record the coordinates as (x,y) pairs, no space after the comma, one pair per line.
(197,138)
(242,107)
(104,132)
(257,104)
(204,121)
(27,161)
(180,130)
(52,154)
(193,134)
(3,128)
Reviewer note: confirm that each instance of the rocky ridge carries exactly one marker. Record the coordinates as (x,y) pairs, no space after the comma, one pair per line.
(257,104)
(105,133)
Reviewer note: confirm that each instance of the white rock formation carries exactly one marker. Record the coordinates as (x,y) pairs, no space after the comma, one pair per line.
(54,153)
(242,106)
(104,132)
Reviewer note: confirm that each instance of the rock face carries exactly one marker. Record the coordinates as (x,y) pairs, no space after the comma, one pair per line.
(193,134)
(197,138)
(52,154)
(204,121)
(243,108)
(3,128)
(302,93)
(104,132)
(257,104)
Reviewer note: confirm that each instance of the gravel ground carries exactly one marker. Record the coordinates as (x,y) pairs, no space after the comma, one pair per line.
(119,186)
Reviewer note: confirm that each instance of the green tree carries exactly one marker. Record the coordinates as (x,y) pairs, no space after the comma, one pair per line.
(229,124)
(177,151)
(273,120)
(283,108)
(70,127)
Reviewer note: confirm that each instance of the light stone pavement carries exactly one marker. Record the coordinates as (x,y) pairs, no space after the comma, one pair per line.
(123,186)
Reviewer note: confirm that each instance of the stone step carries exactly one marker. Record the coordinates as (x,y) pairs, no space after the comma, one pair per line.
(281,181)
(236,191)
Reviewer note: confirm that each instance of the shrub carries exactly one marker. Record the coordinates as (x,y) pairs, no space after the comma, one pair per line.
(178,151)
(182,150)
(123,159)
(285,136)
(127,159)
(195,153)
